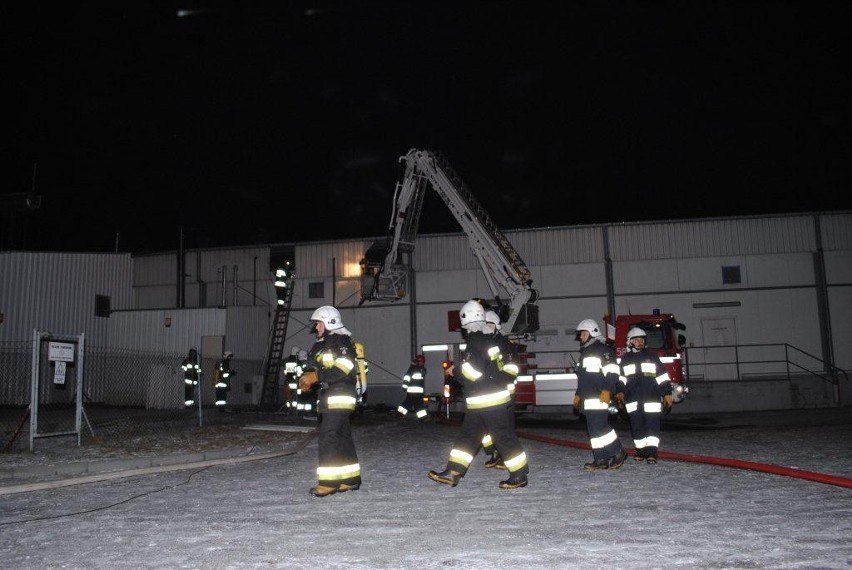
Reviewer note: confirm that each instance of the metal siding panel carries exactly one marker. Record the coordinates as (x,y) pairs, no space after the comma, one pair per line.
(56,292)
(836,231)
(146,330)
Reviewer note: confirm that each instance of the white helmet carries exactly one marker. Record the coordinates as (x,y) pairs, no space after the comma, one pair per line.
(329,316)
(295,351)
(303,355)
(589,325)
(634,332)
(492,318)
(228,354)
(471,312)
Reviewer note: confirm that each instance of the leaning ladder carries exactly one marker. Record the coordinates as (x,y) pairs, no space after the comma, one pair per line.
(269,395)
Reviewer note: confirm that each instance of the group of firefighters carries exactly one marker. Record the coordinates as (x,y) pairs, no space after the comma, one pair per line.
(324,381)
(222,373)
(638,385)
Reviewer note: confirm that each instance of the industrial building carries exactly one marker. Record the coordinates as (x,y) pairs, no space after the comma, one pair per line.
(766,302)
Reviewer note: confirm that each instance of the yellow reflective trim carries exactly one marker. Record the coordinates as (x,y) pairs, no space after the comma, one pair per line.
(344,364)
(471,373)
(516,462)
(486,441)
(341,402)
(332,473)
(327,359)
(415,389)
(461,457)
(629,369)
(511,369)
(488,400)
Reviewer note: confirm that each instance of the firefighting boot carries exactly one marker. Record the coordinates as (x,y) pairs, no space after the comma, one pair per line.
(596,464)
(493,461)
(323,491)
(344,487)
(447,477)
(618,460)
(652,459)
(514,482)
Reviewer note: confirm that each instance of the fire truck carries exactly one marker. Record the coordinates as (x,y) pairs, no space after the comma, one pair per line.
(548,377)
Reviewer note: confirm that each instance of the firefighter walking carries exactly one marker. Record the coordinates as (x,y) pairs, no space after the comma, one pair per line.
(331,369)
(413,384)
(645,393)
(488,401)
(509,371)
(597,382)
(191,371)
(222,379)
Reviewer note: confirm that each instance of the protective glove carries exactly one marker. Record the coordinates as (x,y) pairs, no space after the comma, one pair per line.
(577,402)
(619,397)
(605,396)
(667,403)
(307,380)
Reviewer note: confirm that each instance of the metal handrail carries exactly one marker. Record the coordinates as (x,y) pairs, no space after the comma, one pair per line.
(829,373)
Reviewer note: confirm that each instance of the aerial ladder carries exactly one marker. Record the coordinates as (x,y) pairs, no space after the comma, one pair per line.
(387,265)
(275,357)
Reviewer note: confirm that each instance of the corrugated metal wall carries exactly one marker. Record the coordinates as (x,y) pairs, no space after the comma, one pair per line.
(155,279)
(56,292)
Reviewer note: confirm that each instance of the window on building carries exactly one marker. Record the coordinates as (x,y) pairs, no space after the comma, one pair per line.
(316,290)
(731,274)
(102,305)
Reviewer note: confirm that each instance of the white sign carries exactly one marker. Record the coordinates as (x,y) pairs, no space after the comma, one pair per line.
(59,374)
(60,351)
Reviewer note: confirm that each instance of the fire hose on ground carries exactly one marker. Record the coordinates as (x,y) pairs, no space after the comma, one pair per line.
(722,461)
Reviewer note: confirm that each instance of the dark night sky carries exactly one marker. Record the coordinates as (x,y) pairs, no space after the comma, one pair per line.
(249,122)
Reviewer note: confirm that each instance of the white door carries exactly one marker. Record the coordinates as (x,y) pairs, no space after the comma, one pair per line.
(720,339)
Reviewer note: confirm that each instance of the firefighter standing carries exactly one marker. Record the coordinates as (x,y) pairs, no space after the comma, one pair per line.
(597,381)
(487,400)
(646,391)
(413,383)
(222,379)
(331,368)
(306,399)
(191,372)
(291,379)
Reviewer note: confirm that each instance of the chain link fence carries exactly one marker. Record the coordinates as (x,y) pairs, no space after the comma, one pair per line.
(126,394)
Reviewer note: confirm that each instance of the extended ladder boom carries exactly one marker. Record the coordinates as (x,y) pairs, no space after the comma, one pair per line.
(507,275)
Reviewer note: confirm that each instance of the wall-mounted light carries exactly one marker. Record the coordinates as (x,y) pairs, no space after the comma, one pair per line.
(168,322)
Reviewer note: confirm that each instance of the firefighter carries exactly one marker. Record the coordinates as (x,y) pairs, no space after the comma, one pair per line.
(645,392)
(413,383)
(510,372)
(291,379)
(331,369)
(222,378)
(191,372)
(487,400)
(597,382)
(306,399)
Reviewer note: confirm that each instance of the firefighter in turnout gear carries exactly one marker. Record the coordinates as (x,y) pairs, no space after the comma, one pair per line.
(191,372)
(646,392)
(331,369)
(488,406)
(222,379)
(597,382)
(291,379)
(306,399)
(413,383)
(510,371)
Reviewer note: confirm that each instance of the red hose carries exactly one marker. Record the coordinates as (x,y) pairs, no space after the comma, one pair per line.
(724,462)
